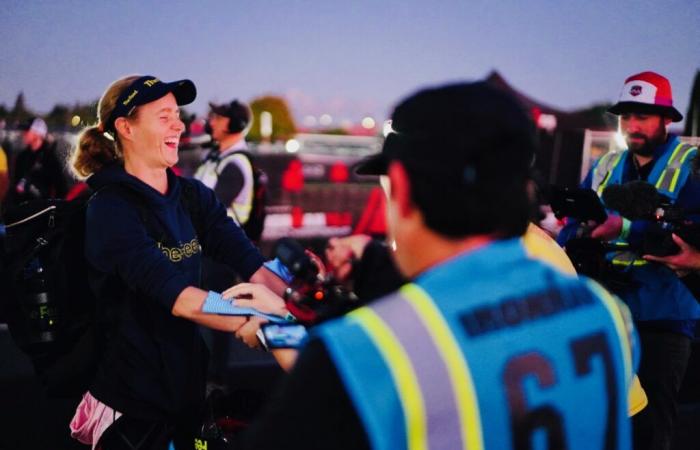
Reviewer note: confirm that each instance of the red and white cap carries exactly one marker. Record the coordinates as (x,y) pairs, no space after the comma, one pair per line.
(647,92)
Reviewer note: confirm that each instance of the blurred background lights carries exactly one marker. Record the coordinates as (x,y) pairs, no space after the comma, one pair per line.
(325,120)
(310,121)
(292,146)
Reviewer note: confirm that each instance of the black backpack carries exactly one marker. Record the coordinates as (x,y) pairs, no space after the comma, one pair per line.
(256,221)
(48,304)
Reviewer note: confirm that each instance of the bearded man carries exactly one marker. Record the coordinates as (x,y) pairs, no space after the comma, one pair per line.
(664,310)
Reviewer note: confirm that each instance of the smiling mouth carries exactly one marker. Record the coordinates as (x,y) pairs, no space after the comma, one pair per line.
(172,143)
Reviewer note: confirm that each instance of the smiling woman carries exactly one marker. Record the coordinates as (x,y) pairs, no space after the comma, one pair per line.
(146,231)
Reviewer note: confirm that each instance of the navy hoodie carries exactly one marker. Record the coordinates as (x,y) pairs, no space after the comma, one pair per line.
(154,364)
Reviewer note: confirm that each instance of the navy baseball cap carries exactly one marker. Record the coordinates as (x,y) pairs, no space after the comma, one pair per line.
(146,89)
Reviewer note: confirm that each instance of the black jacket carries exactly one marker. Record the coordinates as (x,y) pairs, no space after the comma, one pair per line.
(154,363)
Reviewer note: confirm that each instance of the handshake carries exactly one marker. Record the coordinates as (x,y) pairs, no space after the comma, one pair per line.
(315,293)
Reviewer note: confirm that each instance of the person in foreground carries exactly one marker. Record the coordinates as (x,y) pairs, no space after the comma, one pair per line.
(146,231)
(485,348)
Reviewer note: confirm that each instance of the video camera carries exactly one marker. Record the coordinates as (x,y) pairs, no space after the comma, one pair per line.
(588,255)
(636,200)
(311,297)
(639,200)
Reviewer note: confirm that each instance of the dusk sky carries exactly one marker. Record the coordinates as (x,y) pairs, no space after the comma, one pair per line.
(348,59)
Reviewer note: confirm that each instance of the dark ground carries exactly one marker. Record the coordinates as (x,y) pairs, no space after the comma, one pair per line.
(28,418)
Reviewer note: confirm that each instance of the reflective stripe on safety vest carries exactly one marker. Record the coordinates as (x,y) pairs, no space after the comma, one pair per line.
(431,375)
(243,203)
(668,181)
(209,172)
(603,170)
(617,311)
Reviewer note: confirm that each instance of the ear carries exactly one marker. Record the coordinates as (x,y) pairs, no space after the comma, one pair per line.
(400,191)
(124,129)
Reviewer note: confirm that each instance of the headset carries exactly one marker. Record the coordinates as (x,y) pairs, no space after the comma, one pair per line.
(240,117)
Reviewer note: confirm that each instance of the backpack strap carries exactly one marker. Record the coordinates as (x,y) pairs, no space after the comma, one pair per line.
(188,198)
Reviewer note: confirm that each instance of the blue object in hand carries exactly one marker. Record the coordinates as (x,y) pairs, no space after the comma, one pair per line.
(216,304)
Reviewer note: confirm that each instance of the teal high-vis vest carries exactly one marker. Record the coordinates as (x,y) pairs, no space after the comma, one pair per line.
(661,295)
(490,350)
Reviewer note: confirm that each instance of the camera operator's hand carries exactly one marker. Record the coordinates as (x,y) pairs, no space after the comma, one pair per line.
(340,252)
(248,331)
(258,296)
(608,230)
(687,259)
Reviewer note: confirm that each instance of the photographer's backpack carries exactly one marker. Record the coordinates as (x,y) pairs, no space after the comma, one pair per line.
(48,304)
(256,221)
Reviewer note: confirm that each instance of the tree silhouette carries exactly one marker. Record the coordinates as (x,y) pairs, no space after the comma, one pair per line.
(283,126)
(58,118)
(19,112)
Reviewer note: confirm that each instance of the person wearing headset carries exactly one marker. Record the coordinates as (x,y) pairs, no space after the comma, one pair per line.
(227,169)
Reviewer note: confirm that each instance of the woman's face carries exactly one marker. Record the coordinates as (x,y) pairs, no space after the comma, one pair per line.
(156,132)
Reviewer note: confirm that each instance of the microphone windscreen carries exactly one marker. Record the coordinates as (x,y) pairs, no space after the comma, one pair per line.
(645,198)
(617,197)
(634,200)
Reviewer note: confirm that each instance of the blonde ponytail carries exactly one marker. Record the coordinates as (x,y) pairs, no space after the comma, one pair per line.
(94,149)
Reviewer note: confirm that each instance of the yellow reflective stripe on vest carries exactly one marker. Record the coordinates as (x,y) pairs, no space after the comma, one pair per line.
(457,366)
(628,258)
(669,177)
(620,326)
(402,373)
(607,163)
(242,205)
(627,262)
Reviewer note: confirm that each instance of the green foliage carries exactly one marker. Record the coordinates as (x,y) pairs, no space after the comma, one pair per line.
(283,126)
(59,118)
(86,111)
(19,112)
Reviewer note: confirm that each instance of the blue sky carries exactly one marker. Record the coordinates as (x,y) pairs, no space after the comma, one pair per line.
(345,58)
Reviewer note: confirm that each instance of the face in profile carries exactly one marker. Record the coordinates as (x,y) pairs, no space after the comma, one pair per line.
(156,132)
(219,126)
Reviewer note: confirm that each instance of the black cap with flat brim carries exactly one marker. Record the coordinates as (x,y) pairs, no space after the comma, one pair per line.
(147,89)
(372,165)
(453,131)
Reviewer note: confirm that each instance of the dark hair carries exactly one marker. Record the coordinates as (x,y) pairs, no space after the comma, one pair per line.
(239,114)
(498,205)
(95,149)
(469,172)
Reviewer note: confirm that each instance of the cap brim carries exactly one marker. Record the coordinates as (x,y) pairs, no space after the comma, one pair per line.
(645,108)
(372,165)
(221,110)
(184,91)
